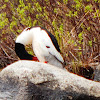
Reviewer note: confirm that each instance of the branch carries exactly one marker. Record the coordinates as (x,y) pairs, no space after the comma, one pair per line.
(73,55)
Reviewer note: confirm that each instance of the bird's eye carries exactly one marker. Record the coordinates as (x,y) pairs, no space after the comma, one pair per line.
(47,46)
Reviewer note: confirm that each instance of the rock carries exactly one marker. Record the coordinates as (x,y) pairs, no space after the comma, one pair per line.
(29,80)
(97,73)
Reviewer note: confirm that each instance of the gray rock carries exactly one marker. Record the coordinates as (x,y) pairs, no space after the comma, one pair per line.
(28,80)
(97,73)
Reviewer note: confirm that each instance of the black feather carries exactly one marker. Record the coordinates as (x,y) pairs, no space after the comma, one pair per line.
(54,41)
(21,52)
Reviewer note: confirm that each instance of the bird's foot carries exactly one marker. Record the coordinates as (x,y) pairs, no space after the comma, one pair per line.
(45,62)
(35,59)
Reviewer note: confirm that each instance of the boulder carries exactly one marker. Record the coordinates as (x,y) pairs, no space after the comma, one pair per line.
(29,80)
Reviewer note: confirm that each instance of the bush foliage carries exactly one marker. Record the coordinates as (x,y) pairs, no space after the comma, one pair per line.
(75,24)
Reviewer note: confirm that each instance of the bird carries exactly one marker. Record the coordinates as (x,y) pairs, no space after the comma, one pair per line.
(44,44)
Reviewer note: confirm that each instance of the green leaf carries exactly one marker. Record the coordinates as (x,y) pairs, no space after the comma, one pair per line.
(78,6)
(5,0)
(75,44)
(75,13)
(61,27)
(79,53)
(21,3)
(19,31)
(96,1)
(72,41)
(55,10)
(35,22)
(4,6)
(65,1)
(90,43)
(88,8)
(37,16)
(12,24)
(80,35)
(38,7)
(88,28)
(3,20)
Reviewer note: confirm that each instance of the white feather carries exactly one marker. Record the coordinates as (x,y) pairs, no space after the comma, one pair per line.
(25,37)
(52,50)
(40,39)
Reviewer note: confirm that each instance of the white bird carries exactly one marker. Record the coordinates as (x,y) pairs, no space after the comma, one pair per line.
(44,45)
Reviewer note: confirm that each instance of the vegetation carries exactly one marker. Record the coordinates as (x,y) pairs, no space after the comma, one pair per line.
(75,24)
